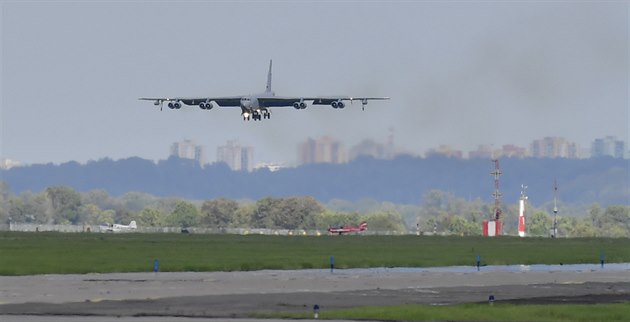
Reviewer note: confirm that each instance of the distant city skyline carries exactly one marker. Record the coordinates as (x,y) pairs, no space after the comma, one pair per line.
(459,73)
(327,149)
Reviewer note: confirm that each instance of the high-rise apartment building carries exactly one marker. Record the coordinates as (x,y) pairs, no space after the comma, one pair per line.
(187,149)
(322,150)
(609,146)
(237,157)
(554,147)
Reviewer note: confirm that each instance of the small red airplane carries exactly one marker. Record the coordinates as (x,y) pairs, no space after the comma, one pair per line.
(348,229)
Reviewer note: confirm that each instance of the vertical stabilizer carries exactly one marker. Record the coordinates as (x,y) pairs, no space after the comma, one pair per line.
(268,88)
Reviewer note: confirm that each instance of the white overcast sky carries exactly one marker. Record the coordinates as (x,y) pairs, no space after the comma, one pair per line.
(460,73)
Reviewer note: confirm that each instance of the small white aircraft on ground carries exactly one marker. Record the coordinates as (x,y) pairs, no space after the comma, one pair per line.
(116,228)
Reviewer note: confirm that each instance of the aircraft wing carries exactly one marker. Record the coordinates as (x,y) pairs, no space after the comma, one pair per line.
(317,100)
(331,99)
(227,101)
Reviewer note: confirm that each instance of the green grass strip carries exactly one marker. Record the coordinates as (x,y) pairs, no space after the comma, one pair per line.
(474,312)
(64,253)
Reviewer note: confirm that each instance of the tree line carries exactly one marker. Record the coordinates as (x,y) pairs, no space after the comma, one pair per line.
(437,212)
(64,205)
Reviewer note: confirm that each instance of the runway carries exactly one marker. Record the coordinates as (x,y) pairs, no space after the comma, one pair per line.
(239,294)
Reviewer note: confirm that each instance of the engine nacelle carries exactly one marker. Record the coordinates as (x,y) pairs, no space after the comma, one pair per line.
(177,105)
(338,104)
(296,105)
(206,106)
(170,105)
(156,103)
(302,105)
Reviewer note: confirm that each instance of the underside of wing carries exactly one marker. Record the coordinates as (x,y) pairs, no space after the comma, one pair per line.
(328,100)
(278,101)
(319,100)
(221,101)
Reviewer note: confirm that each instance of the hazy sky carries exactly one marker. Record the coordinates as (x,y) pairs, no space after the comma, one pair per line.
(459,73)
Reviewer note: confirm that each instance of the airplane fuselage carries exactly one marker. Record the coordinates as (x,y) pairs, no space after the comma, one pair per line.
(119,228)
(251,107)
(348,229)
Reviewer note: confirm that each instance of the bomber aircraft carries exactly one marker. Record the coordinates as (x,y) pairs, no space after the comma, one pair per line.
(258,106)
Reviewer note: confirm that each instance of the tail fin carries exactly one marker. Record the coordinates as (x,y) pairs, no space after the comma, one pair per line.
(132,224)
(268,88)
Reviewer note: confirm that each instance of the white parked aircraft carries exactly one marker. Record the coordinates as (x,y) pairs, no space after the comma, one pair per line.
(257,106)
(118,227)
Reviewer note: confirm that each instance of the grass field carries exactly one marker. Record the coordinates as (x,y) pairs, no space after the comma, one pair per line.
(43,253)
(476,312)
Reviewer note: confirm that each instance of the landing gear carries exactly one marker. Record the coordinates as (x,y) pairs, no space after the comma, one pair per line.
(256,116)
(260,116)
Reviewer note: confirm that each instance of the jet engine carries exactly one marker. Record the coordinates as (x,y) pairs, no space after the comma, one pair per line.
(174,105)
(205,106)
(299,105)
(337,104)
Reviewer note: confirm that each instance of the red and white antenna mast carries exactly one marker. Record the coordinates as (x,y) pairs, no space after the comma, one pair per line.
(521,211)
